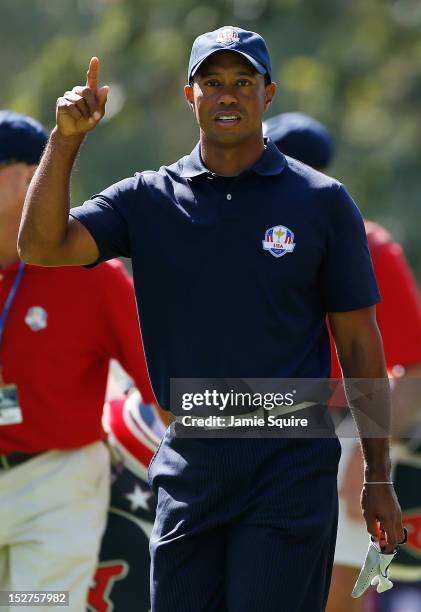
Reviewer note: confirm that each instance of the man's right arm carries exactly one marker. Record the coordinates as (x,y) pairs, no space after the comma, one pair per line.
(47,235)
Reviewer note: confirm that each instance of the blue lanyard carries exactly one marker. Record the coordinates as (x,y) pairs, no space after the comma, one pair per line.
(10,298)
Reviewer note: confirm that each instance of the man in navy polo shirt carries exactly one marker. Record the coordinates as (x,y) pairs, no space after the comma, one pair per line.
(238,254)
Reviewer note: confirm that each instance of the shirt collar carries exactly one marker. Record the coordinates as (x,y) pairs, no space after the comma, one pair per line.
(193,164)
(272,162)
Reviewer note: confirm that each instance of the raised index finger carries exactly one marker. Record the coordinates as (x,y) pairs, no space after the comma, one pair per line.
(92,76)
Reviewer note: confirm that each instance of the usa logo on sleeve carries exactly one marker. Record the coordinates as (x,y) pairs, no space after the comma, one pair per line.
(279,240)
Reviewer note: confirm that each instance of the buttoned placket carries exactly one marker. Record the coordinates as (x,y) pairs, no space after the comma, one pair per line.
(229,195)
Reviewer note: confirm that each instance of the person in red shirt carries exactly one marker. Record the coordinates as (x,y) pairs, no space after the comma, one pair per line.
(399,319)
(59,328)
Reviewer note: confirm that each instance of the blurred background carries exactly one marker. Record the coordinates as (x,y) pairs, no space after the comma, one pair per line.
(354,65)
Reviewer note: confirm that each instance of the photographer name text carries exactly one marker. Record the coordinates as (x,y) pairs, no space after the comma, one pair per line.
(216,422)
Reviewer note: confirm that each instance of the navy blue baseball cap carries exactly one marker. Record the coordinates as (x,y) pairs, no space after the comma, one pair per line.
(22,139)
(301,137)
(228,38)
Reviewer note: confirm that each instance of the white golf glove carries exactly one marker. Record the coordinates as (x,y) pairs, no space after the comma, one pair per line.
(375,571)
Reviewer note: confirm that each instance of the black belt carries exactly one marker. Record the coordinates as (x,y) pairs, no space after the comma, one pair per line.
(13,459)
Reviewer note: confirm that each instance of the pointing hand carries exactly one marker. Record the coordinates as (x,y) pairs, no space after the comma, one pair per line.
(78,111)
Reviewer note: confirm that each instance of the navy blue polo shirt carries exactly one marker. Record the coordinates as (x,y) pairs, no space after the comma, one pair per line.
(234,278)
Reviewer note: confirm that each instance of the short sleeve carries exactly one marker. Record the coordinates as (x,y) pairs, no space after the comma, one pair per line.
(349,280)
(105,217)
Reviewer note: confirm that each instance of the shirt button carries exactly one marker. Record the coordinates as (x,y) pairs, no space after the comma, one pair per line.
(229,196)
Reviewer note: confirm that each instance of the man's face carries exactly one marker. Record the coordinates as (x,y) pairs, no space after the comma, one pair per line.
(229,98)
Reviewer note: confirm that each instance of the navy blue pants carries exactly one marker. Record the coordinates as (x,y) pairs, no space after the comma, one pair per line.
(243,525)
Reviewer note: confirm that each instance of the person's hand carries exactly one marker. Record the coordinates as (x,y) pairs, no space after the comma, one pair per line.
(382,515)
(79,111)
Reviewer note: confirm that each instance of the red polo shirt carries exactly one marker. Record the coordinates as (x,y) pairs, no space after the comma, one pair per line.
(64,326)
(399,313)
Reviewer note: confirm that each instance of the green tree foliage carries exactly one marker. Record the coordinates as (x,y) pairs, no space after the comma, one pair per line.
(353,65)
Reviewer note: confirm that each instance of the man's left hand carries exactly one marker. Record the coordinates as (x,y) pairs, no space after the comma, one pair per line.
(382,515)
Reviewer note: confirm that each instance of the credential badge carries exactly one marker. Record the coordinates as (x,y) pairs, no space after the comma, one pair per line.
(36,318)
(227,36)
(279,240)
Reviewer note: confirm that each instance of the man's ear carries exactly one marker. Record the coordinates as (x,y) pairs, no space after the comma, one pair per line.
(270,94)
(188,92)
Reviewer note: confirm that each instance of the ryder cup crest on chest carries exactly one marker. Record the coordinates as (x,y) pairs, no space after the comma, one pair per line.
(279,240)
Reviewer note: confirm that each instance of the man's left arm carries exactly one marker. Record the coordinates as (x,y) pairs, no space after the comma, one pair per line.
(360,351)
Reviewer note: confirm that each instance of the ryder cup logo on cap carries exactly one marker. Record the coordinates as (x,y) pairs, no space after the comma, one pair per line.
(228,38)
(279,240)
